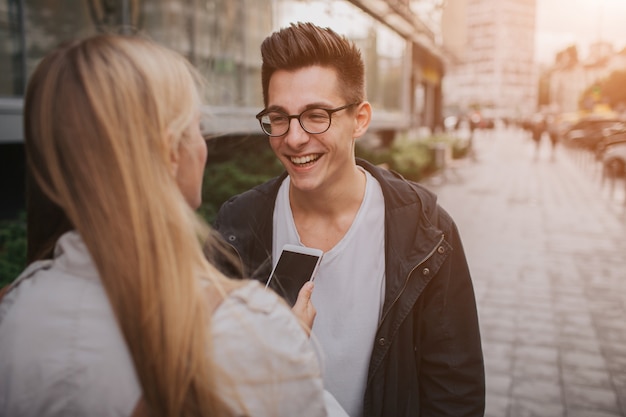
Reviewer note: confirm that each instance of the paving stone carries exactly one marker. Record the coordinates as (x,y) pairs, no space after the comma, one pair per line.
(589,345)
(582,412)
(537,338)
(546,245)
(496,405)
(602,399)
(537,354)
(587,377)
(524,369)
(522,407)
(498,357)
(547,392)
(580,359)
(499,384)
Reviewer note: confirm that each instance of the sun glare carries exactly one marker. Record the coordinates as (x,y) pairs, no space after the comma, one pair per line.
(562,23)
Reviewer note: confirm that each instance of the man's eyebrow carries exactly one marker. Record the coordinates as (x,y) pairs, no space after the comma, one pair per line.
(276,108)
(317,105)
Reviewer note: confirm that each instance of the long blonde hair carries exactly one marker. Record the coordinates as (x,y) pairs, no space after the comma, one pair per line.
(102,116)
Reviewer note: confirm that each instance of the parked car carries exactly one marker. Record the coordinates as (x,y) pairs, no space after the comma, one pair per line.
(611,135)
(614,158)
(589,132)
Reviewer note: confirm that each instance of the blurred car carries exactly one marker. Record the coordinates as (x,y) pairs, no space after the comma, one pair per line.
(613,134)
(480,121)
(614,158)
(589,132)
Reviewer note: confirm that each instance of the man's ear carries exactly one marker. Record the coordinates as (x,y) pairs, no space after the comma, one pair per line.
(362,119)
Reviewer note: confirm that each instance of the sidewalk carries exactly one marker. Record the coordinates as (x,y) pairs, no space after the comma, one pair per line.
(547,250)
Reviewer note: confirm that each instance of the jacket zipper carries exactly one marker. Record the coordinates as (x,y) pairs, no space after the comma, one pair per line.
(407,279)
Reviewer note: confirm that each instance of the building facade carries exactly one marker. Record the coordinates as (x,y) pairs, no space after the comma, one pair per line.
(221,38)
(569,78)
(491,56)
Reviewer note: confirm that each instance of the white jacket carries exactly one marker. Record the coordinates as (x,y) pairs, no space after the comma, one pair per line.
(63,354)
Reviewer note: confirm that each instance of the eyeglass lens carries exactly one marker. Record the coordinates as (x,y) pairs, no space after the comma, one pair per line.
(312,120)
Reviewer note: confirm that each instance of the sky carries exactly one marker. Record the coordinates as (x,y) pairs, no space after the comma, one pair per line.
(561,23)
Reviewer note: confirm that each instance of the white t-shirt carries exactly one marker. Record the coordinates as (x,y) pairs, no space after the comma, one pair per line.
(348,295)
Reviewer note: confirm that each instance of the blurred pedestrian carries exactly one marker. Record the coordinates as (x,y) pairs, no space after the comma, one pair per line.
(554,134)
(538,127)
(122,315)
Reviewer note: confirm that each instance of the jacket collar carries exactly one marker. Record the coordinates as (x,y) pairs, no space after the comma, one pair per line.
(410,236)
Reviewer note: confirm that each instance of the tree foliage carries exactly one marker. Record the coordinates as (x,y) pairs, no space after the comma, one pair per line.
(234,166)
(610,90)
(12,248)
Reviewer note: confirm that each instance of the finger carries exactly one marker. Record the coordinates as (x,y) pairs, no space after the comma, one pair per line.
(304,309)
(304,296)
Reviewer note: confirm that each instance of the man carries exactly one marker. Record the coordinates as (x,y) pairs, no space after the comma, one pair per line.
(396,314)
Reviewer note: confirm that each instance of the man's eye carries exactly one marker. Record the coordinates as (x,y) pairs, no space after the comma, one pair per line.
(317,116)
(277,118)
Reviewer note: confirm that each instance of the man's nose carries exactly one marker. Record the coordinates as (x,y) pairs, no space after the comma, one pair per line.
(296,136)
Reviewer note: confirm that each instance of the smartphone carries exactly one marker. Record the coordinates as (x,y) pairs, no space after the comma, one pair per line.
(296,265)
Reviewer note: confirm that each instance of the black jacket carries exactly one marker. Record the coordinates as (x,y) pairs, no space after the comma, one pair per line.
(427,357)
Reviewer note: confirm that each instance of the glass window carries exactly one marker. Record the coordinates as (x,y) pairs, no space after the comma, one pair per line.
(30,29)
(384,51)
(385,82)
(12,58)
(50,22)
(220,37)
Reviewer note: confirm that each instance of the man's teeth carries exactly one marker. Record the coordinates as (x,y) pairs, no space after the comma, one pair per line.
(304,159)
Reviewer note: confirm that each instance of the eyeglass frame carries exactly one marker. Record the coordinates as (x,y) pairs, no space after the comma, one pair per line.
(297,116)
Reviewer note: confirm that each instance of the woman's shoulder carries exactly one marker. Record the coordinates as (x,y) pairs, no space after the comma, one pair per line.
(59,339)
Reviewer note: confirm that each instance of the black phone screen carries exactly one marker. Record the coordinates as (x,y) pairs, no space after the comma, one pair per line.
(292,271)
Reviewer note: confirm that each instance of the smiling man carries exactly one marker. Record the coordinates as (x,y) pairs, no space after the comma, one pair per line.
(396,312)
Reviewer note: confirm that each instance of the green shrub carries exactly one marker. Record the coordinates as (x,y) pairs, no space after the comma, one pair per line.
(238,164)
(12,248)
(235,165)
(413,158)
(460,149)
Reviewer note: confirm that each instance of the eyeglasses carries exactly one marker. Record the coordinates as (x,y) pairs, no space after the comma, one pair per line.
(314,120)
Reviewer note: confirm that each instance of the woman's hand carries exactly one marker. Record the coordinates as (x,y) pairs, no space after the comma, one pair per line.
(304,309)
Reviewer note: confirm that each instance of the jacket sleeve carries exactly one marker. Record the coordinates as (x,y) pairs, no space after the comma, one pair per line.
(267,364)
(218,250)
(452,381)
(245,224)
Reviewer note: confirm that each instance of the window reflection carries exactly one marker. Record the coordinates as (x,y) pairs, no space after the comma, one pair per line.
(220,37)
(12,58)
(384,51)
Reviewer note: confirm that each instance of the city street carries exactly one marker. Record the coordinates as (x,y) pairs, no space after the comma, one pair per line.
(546,243)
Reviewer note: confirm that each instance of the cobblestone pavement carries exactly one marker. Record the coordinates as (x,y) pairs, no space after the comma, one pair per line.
(547,248)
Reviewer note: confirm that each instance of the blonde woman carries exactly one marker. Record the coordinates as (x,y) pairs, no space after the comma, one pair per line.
(122,314)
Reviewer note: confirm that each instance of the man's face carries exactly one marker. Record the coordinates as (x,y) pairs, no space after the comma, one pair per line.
(313,161)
